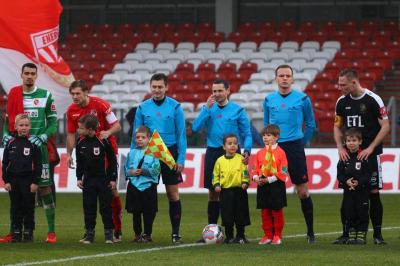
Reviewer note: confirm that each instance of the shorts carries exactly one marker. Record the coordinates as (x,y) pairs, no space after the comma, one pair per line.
(212,154)
(296,157)
(375,165)
(170,176)
(45,180)
(141,201)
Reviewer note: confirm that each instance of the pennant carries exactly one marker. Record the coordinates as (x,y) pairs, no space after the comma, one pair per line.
(29,33)
(159,150)
(269,168)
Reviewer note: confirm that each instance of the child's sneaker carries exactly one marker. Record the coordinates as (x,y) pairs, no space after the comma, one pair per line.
(28,236)
(146,238)
(108,236)
(16,237)
(88,237)
(117,236)
(176,239)
(51,238)
(6,238)
(276,240)
(137,239)
(265,240)
(228,240)
(241,240)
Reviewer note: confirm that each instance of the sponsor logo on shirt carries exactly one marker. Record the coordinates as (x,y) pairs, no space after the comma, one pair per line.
(32,113)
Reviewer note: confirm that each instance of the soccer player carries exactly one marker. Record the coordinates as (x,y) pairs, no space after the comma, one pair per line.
(142,171)
(39,104)
(95,180)
(22,167)
(108,126)
(230,181)
(363,109)
(354,176)
(290,109)
(165,115)
(271,189)
(220,117)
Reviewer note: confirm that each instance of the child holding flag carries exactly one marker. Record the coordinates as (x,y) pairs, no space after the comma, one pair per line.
(142,171)
(231,180)
(271,173)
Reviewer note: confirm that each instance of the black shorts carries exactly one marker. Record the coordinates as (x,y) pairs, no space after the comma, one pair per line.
(296,157)
(234,204)
(374,161)
(141,201)
(171,177)
(212,154)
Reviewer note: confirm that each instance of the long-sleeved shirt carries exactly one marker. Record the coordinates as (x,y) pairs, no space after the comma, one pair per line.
(91,155)
(220,121)
(280,159)
(353,168)
(230,172)
(168,119)
(289,112)
(150,169)
(21,159)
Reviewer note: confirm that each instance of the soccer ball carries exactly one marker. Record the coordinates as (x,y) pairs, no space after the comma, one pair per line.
(213,234)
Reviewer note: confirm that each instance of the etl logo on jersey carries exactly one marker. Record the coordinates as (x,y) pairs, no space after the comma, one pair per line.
(45,45)
(354,121)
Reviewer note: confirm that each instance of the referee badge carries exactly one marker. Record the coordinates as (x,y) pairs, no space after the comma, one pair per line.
(358,165)
(96,151)
(27,151)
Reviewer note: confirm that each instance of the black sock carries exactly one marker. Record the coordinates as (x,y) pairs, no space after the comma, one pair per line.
(137,224)
(376,213)
(213,212)
(240,231)
(229,232)
(148,219)
(175,212)
(307,208)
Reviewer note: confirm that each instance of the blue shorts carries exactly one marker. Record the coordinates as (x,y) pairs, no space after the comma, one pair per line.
(296,158)
(171,177)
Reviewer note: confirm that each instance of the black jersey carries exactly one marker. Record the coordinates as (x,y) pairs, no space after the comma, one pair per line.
(363,113)
(360,170)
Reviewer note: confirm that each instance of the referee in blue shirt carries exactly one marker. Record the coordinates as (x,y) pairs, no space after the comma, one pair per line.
(289,110)
(165,115)
(220,117)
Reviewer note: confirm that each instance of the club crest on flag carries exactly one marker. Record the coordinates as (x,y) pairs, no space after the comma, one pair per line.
(159,150)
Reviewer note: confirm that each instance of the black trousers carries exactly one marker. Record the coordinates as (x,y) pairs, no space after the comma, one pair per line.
(234,207)
(356,206)
(22,204)
(94,188)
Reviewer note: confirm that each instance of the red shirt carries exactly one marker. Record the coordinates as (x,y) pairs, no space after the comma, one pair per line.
(97,107)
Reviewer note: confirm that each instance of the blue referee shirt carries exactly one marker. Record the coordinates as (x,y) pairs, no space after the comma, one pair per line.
(168,119)
(289,113)
(219,121)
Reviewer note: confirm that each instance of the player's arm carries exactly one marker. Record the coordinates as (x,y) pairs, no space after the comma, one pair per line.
(201,120)
(5,163)
(385,129)
(180,129)
(244,129)
(51,116)
(216,174)
(138,122)
(338,134)
(309,120)
(266,112)
(282,167)
(79,164)
(112,169)
(114,123)
(340,173)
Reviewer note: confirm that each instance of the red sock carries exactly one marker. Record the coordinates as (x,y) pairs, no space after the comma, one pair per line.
(117,213)
(267,225)
(279,221)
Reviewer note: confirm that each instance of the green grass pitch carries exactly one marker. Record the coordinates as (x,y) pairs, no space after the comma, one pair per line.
(294,251)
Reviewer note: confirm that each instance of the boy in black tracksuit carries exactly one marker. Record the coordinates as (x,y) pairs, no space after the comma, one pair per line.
(96,173)
(22,168)
(354,176)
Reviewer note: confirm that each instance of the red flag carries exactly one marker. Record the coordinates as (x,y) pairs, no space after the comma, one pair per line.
(29,33)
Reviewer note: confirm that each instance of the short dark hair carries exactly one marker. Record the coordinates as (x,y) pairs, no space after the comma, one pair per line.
(230,135)
(353,132)
(89,121)
(283,66)
(143,129)
(271,129)
(160,76)
(78,84)
(223,82)
(30,65)
(349,73)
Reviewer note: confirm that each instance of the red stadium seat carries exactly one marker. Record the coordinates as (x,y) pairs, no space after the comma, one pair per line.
(307,27)
(319,36)
(226,68)
(216,37)
(184,68)
(205,28)
(257,37)
(328,27)
(125,28)
(166,27)
(247,27)
(247,69)
(145,27)
(237,37)
(206,67)
(287,26)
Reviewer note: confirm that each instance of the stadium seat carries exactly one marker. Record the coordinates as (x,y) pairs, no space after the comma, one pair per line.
(131,79)
(165,48)
(226,47)
(144,47)
(268,46)
(152,58)
(185,47)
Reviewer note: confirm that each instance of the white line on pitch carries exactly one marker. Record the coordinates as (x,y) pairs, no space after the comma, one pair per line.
(110,254)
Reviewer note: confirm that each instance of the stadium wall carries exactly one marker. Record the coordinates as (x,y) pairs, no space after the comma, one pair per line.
(321,168)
